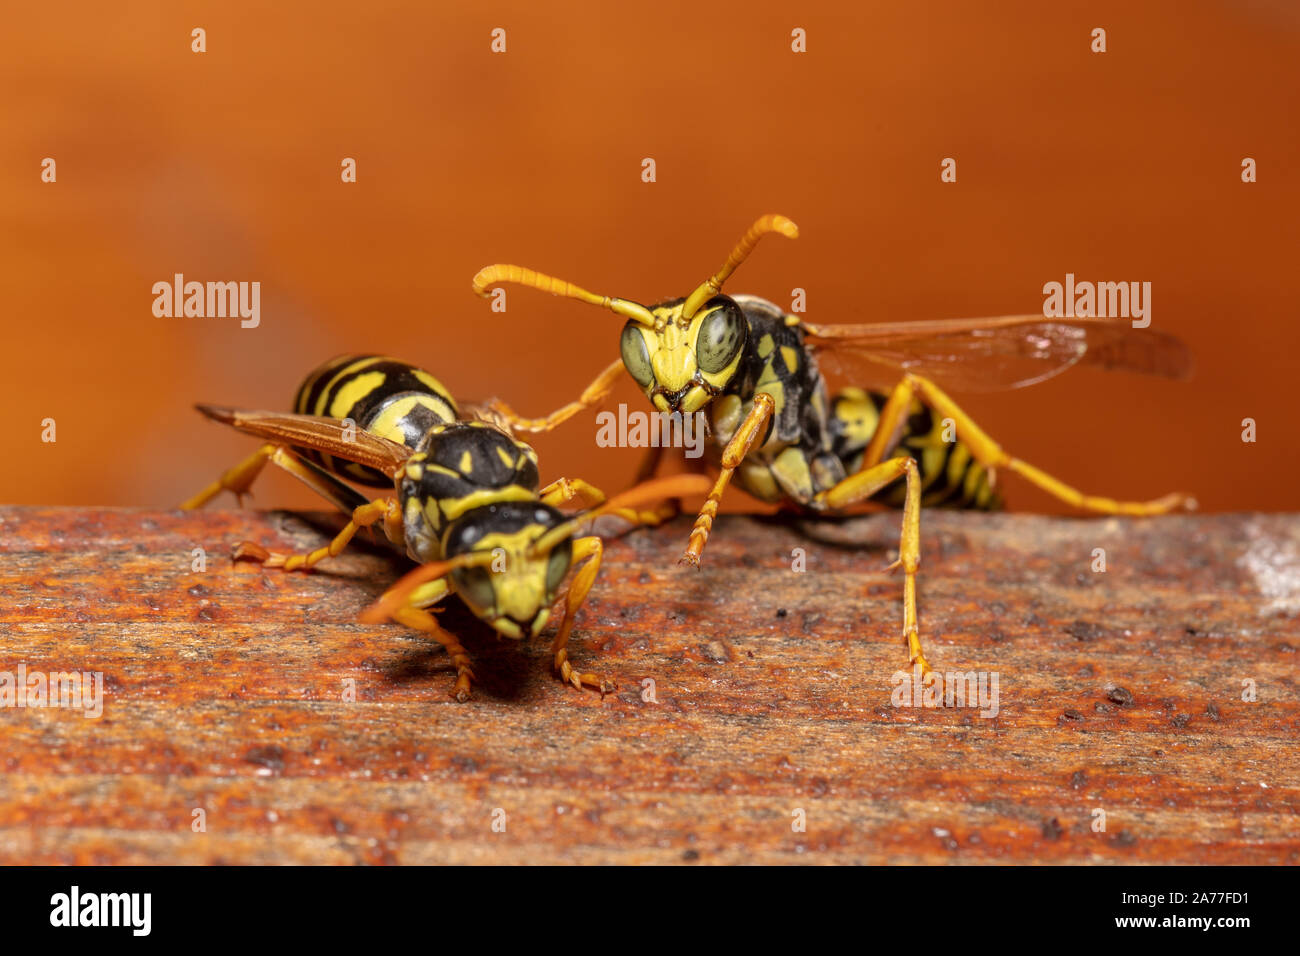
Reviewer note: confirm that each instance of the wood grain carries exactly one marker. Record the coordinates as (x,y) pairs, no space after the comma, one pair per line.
(1120,691)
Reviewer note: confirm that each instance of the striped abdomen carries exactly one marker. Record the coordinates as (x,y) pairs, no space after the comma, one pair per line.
(381,395)
(950,475)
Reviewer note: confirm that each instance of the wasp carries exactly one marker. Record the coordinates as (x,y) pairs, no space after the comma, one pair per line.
(468,508)
(895,438)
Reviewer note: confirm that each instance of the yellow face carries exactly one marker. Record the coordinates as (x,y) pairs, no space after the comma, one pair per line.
(683,364)
(514,592)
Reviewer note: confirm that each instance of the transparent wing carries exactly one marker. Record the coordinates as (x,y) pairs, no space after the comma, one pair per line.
(327,435)
(990,354)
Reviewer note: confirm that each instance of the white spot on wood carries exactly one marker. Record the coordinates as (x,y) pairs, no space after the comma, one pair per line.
(1274,563)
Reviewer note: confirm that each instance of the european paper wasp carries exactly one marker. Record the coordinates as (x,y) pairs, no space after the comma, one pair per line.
(899,441)
(468,508)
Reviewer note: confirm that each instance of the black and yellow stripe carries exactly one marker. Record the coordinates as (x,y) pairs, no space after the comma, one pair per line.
(950,475)
(389,398)
(462,467)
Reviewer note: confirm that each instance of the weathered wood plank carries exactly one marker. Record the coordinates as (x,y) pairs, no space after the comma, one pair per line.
(223,690)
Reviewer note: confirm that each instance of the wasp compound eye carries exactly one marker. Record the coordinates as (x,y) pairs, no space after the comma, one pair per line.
(474,584)
(636,357)
(557,565)
(721,336)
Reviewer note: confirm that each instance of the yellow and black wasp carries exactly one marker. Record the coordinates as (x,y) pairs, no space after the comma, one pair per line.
(779,433)
(469,507)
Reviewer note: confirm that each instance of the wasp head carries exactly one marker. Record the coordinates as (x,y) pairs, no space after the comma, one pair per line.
(683,362)
(514,585)
(682,353)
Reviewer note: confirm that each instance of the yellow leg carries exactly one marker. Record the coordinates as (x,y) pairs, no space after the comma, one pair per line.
(583,548)
(750,431)
(591,549)
(862,485)
(564,491)
(592,395)
(238,479)
(422,620)
(990,454)
(362,517)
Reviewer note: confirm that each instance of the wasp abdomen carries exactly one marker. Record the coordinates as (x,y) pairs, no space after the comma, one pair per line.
(389,398)
(950,475)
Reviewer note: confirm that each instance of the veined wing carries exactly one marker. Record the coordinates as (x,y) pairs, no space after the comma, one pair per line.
(991,354)
(326,435)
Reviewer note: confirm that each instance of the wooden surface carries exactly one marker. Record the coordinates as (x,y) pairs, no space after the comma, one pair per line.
(1120,691)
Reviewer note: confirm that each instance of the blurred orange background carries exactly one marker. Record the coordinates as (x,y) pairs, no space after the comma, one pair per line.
(225,165)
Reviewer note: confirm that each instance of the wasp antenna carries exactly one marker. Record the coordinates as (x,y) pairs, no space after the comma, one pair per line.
(713,285)
(518,275)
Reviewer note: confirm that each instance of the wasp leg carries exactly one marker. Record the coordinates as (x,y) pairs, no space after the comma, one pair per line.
(750,431)
(591,548)
(241,477)
(364,516)
(237,479)
(563,491)
(990,454)
(592,395)
(568,490)
(422,620)
(864,484)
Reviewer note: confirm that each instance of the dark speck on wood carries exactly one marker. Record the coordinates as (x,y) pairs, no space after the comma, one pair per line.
(270,757)
(1085,630)
(1119,695)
